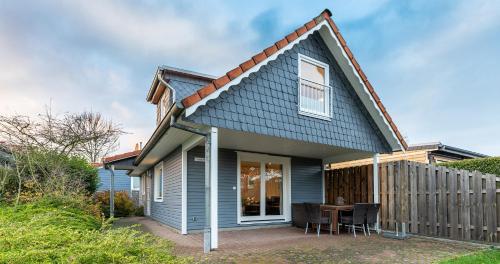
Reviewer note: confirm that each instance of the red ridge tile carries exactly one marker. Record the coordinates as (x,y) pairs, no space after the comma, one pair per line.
(310,24)
(281,44)
(206,90)
(191,100)
(259,57)
(247,65)
(301,31)
(232,74)
(270,50)
(292,36)
(221,81)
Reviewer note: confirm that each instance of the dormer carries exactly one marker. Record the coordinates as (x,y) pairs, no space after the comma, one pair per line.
(170,84)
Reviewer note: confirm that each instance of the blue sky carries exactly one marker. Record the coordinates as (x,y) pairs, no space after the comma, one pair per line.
(435,64)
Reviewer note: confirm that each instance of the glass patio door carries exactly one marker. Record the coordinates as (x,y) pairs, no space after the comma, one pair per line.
(262,188)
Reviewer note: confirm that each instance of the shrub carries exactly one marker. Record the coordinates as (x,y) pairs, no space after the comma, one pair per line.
(57,230)
(484,165)
(124,205)
(38,173)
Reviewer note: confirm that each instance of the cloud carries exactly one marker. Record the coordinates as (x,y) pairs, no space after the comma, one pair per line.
(438,84)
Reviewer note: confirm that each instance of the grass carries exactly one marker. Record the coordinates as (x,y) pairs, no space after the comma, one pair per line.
(489,256)
(65,232)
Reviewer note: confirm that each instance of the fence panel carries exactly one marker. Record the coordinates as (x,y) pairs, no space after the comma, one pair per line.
(430,200)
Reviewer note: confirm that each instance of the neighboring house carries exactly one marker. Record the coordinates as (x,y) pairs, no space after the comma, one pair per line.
(261,134)
(122,181)
(5,154)
(431,153)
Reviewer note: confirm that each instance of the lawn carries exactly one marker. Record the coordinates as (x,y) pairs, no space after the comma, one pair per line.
(489,256)
(61,231)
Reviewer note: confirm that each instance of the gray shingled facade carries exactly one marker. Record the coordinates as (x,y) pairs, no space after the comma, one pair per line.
(267,103)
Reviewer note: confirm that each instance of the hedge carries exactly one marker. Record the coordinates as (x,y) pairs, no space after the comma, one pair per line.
(484,165)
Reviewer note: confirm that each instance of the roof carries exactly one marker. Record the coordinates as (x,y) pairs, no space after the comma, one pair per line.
(122,156)
(438,146)
(257,61)
(183,82)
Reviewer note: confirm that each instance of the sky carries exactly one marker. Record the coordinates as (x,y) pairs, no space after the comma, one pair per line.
(434,64)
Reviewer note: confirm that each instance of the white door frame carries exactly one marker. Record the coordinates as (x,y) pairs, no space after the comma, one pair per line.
(287,205)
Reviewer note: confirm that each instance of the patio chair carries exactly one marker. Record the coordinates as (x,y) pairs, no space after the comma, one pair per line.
(371,215)
(299,215)
(356,220)
(314,215)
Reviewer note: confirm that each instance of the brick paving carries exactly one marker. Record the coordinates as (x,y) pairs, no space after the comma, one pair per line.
(290,245)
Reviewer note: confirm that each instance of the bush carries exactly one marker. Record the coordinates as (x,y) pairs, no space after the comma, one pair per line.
(37,173)
(484,165)
(124,206)
(57,230)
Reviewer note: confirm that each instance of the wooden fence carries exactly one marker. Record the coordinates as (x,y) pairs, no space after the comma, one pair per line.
(430,200)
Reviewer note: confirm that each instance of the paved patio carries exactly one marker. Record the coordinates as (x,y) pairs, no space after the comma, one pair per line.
(290,245)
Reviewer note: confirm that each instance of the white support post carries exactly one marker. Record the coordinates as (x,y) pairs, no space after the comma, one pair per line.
(376,184)
(214,182)
(323,187)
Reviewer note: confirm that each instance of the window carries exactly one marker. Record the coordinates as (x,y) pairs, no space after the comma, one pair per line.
(314,89)
(263,188)
(135,183)
(158,183)
(163,105)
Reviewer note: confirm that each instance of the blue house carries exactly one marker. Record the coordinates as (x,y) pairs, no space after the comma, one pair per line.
(236,151)
(122,181)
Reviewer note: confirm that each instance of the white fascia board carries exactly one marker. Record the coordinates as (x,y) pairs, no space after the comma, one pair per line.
(356,81)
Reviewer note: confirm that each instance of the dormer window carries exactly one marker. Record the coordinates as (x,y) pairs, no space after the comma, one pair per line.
(314,89)
(163,105)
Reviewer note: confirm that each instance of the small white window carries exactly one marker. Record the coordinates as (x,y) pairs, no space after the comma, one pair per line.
(158,183)
(314,89)
(135,183)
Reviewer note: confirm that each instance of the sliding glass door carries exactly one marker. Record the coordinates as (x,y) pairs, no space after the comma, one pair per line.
(262,187)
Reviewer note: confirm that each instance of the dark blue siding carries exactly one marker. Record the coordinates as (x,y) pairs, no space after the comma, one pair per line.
(306,186)
(267,103)
(306,180)
(122,180)
(196,189)
(169,211)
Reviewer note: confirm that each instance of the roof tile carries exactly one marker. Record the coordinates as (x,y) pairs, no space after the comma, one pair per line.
(259,57)
(310,24)
(247,65)
(206,90)
(191,100)
(301,31)
(282,43)
(292,36)
(221,81)
(232,74)
(270,50)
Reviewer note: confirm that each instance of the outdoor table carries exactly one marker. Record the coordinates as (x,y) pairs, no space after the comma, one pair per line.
(334,212)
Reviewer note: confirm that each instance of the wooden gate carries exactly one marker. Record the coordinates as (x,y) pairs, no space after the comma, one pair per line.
(430,200)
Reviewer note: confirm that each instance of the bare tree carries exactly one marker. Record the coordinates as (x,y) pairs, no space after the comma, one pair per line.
(87,134)
(101,135)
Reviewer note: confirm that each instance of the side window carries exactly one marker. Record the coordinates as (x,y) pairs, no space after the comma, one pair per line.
(158,183)
(314,89)
(135,183)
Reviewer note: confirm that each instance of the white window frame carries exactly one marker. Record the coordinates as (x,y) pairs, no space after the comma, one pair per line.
(287,205)
(158,168)
(132,184)
(328,90)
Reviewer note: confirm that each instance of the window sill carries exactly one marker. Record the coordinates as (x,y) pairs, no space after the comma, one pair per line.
(315,115)
(158,200)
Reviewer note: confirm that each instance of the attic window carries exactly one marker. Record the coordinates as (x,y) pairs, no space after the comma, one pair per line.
(314,89)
